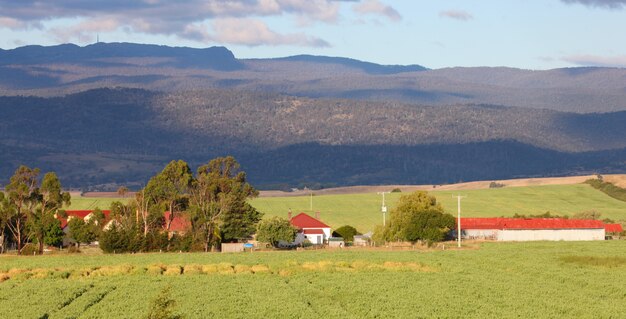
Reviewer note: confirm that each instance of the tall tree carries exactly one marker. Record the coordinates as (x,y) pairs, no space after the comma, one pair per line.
(50,198)
(22,190)
(6,211)
(275,230)
(169,188)
(417,216)
(219,189)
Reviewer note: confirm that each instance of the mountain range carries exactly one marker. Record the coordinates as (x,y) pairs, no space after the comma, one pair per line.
(114,113)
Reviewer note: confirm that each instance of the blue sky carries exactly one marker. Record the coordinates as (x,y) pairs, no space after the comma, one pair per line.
(529,34)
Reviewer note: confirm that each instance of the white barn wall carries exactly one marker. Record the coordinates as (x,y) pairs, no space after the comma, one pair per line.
(550,234)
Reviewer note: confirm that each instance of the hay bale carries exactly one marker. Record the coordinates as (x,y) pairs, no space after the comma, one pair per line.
(173,270)
(193,269)
(156,269)
(209,269)
(242,269)
(259,269)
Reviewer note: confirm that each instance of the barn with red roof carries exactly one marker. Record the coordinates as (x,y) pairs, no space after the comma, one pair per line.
(309,228)
(528,229)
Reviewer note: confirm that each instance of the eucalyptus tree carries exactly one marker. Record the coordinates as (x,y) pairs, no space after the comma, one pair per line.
(218,192)
(49,199)
(168,189)
(22,193)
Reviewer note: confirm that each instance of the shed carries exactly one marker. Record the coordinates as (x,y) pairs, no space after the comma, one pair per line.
(529,229)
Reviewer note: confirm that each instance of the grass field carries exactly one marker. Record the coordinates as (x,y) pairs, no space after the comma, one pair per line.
(498,280)
(363,210)
(80,203)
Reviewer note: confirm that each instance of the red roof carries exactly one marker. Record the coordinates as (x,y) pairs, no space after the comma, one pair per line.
(303,220)
(529,223)
(613,228)
(313,231)
(180,223)
(80,214)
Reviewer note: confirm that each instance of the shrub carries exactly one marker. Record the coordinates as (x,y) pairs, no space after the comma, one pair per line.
(347,232)
(29,250)
(496,185)
(396,190)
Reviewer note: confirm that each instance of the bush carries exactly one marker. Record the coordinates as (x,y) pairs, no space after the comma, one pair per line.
(417,216)
(274,230)
(29,250)
(396,190)
(496,185)
(347,232)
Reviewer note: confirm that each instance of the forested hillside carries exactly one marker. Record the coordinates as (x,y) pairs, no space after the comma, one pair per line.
(109,136)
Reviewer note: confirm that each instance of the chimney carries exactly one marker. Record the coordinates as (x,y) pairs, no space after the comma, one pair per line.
(317,215)
(289,214)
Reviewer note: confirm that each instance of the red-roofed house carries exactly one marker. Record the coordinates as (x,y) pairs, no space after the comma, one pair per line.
(527,229)
(310,229)
(613,228)
(82,214)
(180,224)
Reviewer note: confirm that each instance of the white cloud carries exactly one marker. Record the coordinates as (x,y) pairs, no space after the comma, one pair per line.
(254,32)
(595,60)
(182,18)
(609,4)
(377,8)
(456,14)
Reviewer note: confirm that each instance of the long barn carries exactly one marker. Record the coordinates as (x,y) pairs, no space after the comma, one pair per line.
(529,229)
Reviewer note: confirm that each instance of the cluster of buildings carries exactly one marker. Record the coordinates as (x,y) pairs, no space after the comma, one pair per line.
(314,231)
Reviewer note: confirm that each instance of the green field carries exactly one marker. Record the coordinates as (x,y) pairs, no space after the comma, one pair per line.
(84,203)
(498,280)
(363,210)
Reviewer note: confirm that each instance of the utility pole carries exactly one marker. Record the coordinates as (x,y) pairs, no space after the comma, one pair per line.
(458,222)
(384,208)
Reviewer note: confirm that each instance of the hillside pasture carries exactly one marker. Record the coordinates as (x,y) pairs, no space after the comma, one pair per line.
(363,211)
(497,280)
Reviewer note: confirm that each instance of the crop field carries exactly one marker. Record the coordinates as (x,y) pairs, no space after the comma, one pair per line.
(363,210)
(494,280)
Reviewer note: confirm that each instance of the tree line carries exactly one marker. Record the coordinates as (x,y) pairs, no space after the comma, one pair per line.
(211,203)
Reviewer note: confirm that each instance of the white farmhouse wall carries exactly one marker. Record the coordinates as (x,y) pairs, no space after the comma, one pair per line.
(479,233)
(550,234)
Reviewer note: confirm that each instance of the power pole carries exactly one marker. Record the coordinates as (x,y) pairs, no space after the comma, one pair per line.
(384,208)
(458,222)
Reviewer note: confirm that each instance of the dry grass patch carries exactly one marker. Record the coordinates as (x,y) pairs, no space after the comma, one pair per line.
(609,262)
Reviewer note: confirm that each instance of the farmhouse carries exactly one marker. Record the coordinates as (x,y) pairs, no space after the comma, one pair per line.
(529,229)
(85,215)
(310,229)
(179,224)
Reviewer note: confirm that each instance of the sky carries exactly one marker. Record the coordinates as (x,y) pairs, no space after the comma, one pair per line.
(527,34)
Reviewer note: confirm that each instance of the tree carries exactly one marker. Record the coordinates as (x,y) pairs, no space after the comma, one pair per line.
(49,199)
(6,211)
(275,230)
(53,234)
(417,216)
(219,190)
(22,190)
(81,231)
(169,188)
(122,191)
(347,232)
(240,223)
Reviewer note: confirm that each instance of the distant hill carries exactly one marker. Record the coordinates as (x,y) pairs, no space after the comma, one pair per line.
(368,67)
(63,69)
